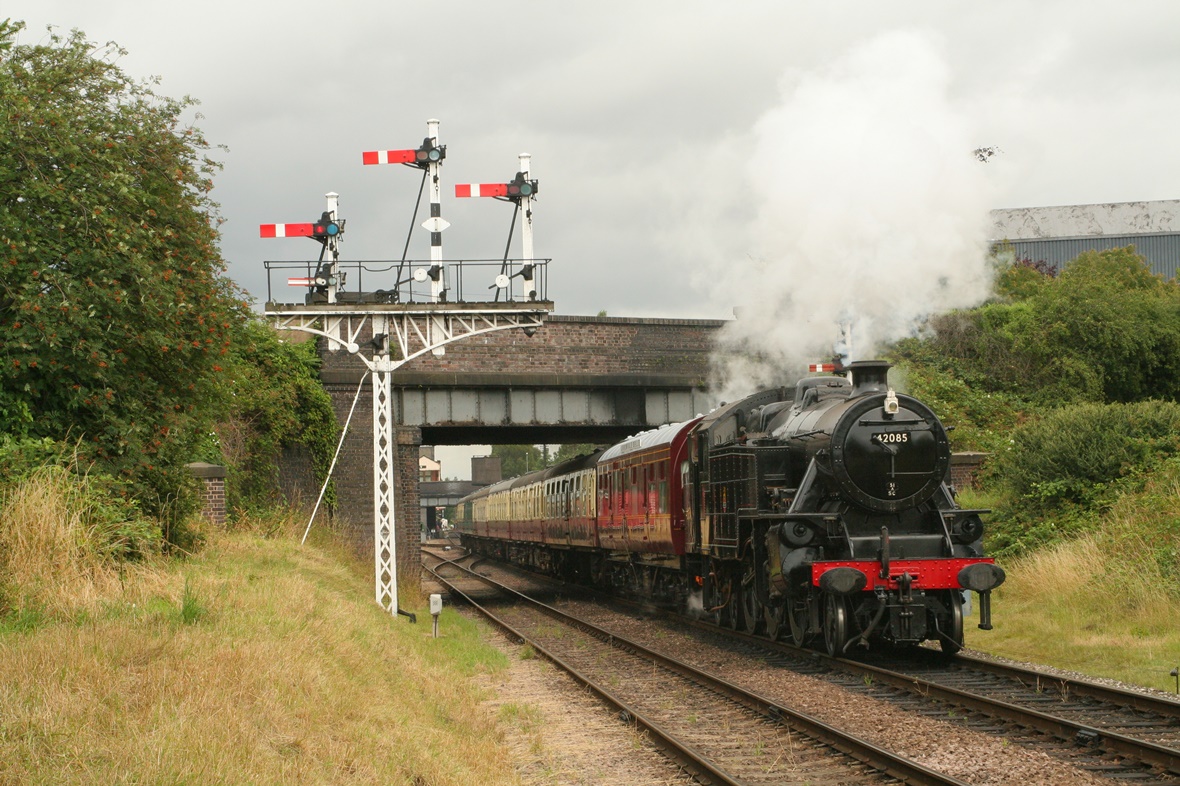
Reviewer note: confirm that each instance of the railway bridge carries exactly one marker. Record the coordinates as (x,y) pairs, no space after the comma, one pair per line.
(575,379)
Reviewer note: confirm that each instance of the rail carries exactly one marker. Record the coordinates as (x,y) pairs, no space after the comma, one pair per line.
(875,757)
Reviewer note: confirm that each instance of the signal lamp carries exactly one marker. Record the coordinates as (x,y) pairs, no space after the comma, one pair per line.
(519,187)
(428,153)
(325,229)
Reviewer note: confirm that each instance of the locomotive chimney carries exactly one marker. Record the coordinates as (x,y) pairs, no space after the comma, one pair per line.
(869,376)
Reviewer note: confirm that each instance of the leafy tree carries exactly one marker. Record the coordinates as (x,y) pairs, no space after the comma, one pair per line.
(573,450)
(115,316)
(516,460)
(273,399)
(1024,277)
(1104,330)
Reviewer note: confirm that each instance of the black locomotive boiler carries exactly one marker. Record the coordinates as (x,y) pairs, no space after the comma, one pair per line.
(822,511)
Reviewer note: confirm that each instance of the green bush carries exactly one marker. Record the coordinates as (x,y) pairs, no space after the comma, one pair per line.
(104,504)
(1061,473)
(979,420)
(1068,454)
(1104,330)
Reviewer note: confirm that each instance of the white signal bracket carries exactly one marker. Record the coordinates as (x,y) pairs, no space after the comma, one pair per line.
(398,333)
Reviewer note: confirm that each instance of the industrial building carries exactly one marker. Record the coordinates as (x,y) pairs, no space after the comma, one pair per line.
(1056,235)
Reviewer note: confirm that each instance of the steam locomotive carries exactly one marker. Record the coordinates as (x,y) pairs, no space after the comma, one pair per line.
(821,512)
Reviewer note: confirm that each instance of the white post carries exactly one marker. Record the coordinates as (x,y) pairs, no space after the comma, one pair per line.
(434,169)
(332,325)
(438,283)
(526,227)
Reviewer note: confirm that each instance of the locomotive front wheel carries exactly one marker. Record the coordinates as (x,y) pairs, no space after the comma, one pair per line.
(835,625)
(953,641)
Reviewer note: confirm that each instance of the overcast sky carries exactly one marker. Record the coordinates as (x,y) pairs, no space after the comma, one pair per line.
(640,117)
(692,156)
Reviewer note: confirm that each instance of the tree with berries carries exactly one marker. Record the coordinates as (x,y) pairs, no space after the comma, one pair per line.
(115,316)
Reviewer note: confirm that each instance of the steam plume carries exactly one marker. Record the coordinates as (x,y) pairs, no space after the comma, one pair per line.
(870,209)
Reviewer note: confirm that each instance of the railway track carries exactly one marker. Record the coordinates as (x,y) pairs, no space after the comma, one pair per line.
(1107,731)
(717,731)
(1090,715)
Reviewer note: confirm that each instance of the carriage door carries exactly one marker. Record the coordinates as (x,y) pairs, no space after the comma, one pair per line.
(563,504)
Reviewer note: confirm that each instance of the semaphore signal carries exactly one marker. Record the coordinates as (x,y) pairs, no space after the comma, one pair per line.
(520,190)
(428,157)
(285,230)
(396,332)
(328,231)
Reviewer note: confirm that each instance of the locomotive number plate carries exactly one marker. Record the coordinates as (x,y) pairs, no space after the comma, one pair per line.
(892,437)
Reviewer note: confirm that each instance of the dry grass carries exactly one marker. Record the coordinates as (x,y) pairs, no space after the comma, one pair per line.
(55,554)
(257,661)
(1077,606)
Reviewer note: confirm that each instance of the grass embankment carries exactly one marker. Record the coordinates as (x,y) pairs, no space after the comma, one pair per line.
(255,661)
(1103,602)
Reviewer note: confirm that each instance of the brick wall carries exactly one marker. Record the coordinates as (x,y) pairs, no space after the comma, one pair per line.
(297,480)
(964,467)
(212,479)
(571,345)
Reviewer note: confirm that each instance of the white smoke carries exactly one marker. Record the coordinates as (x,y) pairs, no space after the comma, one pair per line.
(870,209)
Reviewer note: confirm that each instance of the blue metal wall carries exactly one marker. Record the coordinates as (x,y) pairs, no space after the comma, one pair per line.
(1161,251)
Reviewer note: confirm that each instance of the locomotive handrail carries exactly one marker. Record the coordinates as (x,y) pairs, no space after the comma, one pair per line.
(954,513)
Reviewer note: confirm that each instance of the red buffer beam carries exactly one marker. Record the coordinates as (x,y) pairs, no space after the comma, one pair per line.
(286,230)
(481,190)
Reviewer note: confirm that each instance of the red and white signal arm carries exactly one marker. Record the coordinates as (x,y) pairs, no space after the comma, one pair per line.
(301,282)
(481,190)
(285,230)
(823,367)
(389,157)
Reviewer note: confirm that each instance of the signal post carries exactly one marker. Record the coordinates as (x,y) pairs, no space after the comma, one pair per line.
(408,315)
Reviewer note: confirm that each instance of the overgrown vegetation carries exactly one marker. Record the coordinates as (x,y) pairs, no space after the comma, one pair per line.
(127,353)
(1069,380)
(1062,472)
(274,400)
